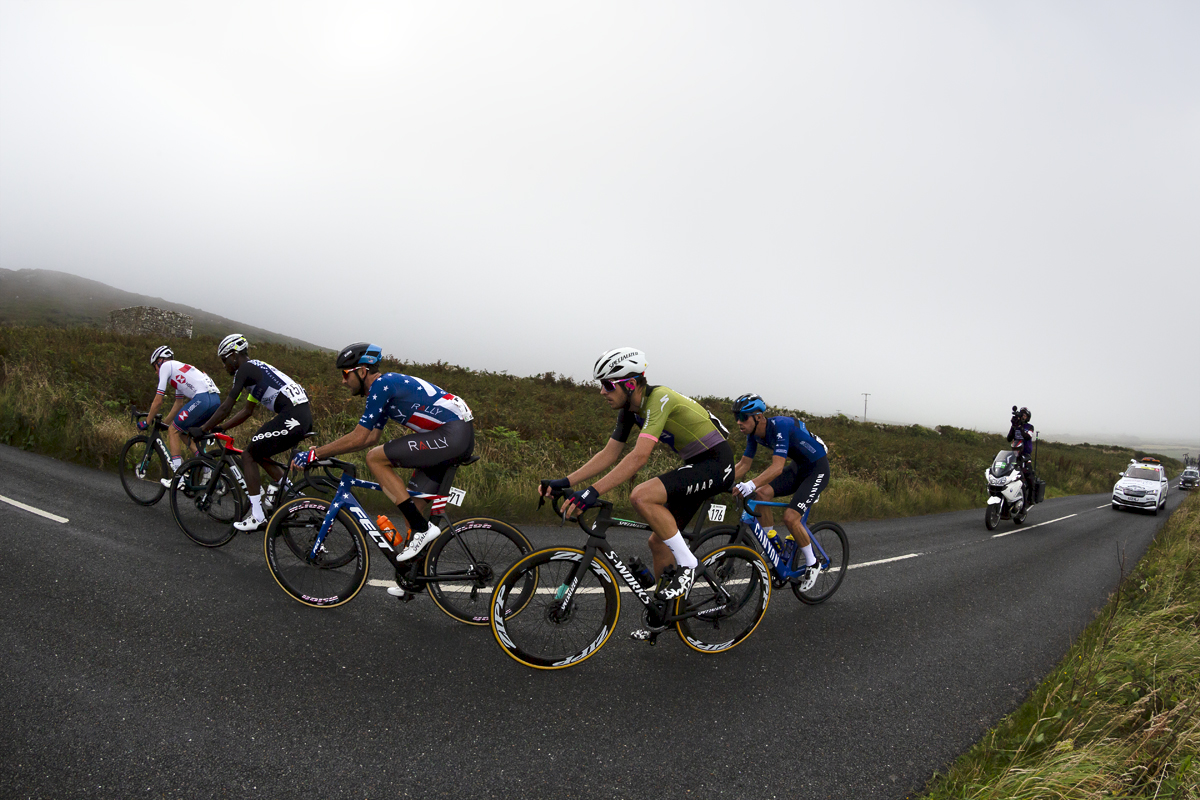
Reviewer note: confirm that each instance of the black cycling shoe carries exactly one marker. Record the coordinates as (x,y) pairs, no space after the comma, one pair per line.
(676,582)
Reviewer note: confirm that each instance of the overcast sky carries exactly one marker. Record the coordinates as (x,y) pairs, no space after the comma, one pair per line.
(954,206)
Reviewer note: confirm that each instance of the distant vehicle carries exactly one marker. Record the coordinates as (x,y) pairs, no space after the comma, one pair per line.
(1142,486)
(1190,478)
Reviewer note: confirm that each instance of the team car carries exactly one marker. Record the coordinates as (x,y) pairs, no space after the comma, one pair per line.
(1190,478)
(1143,485)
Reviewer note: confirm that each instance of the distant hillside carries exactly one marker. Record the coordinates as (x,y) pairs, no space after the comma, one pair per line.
(59,300)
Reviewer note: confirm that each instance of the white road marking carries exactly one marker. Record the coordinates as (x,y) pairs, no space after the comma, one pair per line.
(1106,505)
(33,510)
(1031,527)
(882,561)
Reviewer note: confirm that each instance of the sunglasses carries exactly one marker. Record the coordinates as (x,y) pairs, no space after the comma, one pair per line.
(609,386)
(740,417)
(346,372)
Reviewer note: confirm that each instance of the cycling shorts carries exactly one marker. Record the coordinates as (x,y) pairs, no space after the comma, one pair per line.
(197,411)
(705,476)
(278,435)
(432,453)
(805,486)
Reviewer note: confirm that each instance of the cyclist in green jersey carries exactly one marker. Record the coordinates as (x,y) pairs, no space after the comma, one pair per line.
(668,501)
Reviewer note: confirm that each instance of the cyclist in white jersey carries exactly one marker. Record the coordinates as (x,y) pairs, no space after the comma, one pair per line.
(268,387)
(196,398)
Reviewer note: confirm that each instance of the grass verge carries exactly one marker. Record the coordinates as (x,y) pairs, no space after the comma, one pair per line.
(1120,717)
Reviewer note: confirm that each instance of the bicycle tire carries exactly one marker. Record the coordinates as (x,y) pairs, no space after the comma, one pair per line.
(723,624)
(482,546)
(537,635)
(837,547)
(146,489)
(206,515)
(991,517)
(324,582)
(709,539)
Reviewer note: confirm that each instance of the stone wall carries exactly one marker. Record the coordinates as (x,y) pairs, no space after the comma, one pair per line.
(150,321)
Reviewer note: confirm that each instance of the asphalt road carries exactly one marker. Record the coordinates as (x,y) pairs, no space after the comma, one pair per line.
(136,664)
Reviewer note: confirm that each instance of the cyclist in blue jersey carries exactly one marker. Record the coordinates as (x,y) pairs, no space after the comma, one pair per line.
(804,478)
(443,435)
(268,387)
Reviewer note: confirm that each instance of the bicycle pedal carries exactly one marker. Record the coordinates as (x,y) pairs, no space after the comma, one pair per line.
(650,637)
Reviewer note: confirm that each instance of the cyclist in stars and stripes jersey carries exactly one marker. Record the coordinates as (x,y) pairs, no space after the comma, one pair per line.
(443,435)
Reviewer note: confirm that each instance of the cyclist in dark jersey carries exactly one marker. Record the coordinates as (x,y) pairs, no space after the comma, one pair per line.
(443,435)
(668,501)
(804,478)
(268,387)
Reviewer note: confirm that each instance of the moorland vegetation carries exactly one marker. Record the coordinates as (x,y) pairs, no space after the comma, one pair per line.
(65,392)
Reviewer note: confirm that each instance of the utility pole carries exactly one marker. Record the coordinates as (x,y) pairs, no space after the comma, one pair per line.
(865,396)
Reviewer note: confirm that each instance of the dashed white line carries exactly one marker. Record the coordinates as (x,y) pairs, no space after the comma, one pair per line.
(33,510)
(1031,527)
(1106,505)
(883,561)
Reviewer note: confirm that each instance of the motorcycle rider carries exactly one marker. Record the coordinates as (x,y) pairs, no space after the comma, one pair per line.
(1020,434)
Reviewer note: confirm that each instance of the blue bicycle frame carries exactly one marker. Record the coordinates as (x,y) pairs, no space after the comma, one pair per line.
(779,558)
(343,498)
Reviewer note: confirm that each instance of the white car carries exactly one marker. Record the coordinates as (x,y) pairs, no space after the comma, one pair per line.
(1143,485)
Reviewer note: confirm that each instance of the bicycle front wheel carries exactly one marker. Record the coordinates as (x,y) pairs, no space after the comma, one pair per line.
(142,467)
(727,600)
(553,627)
(466,561)
(833,566)
(206,501)
(337,570)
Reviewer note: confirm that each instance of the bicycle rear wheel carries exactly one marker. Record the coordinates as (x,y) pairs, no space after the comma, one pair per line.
(543,632)
(711,539)
(338,570)
(465,563)
(206,501)
(833,569)
(728,599)
(142,467)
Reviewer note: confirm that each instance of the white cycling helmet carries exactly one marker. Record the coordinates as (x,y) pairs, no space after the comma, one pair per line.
(623,362)
(233,343)
(162,352)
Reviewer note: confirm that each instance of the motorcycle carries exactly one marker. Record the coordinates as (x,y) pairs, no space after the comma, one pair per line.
(1007,495)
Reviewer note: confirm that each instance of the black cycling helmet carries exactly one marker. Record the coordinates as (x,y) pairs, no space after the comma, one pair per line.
(1024,412)
(749,404)
(359,354)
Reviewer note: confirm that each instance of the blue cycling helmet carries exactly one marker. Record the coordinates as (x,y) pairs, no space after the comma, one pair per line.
(359,354)
(749,404)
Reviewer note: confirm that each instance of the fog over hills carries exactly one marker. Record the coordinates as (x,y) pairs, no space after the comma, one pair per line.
(59,299)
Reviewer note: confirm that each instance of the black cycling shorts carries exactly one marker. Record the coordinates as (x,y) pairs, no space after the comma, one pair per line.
(805,487)
(432,453)
(705,476)
(278,435)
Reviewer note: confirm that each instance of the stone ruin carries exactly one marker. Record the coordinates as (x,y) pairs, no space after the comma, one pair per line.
(150,321)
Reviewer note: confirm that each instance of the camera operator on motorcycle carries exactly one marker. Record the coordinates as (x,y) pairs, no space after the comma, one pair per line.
(1021,436)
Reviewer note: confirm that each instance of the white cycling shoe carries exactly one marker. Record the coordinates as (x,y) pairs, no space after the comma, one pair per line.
(810,577)
(250,523)
(418,542)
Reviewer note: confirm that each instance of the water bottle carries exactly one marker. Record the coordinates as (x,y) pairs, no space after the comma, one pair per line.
(773,538)
(789,549)
(644,576)
(389,531)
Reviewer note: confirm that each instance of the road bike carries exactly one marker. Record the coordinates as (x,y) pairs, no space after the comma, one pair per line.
(209,492)
(575,600)
(317,549)
(145,461)
(829,542)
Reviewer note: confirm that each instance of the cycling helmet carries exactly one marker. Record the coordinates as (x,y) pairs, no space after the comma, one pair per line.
(623,362)
(749,404)
(161,352)
(359,354)
(233,343)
